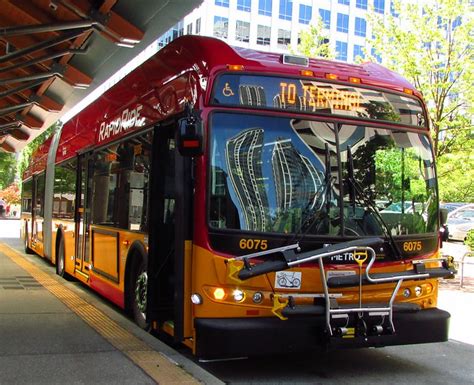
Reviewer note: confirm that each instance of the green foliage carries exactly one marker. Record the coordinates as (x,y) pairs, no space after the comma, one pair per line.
(7,167)
(11,194)
(314,42)
(456,176)
(469,242)
(25,155)
(431,43)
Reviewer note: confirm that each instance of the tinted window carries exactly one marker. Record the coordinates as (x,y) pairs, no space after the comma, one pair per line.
(65,190)
(120,184)
(40,185)
(26,196)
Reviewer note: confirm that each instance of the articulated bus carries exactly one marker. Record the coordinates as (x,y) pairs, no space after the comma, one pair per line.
(244,203)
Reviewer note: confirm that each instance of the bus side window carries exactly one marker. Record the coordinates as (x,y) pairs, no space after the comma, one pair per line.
(40,185)
(26,196)
(120,184)
(64,190)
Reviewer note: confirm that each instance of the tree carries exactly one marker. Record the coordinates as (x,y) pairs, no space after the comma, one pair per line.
(431,43)
(8,170)
(25,155)
(314,42)
(456,176)
(11,194)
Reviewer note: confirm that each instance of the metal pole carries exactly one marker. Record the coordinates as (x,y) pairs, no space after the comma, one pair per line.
(39,28)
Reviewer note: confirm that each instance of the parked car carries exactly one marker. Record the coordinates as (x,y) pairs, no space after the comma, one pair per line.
(396,207)
(460,221)
(451,206)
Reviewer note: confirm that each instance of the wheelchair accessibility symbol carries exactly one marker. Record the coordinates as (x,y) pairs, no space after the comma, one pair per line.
(227,91)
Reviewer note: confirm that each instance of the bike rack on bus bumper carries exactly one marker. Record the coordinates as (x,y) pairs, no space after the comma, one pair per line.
(289,258)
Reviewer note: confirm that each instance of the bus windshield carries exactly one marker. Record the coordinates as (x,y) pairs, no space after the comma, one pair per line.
(284,175)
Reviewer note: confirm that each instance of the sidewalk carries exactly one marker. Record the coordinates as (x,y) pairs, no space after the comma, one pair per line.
(56,332)
(456,300)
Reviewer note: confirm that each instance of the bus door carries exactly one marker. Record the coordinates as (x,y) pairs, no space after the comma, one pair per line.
(168,231)
(82,259)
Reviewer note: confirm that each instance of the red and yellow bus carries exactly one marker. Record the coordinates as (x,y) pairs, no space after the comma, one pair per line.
(249,203)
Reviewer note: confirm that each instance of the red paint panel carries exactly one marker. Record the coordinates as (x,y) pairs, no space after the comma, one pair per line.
(108,291)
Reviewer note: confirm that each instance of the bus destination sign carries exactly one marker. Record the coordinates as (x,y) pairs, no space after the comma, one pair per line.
(313,96)
(316,97)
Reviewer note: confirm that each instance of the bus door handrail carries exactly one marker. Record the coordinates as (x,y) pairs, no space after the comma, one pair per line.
(467,254)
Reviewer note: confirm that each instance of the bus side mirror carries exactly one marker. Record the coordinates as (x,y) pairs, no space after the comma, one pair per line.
(190,134)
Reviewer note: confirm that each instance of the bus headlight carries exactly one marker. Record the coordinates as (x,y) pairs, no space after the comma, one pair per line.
(406,293)
(196,299)
(238,295)
(257,297)
(418,291)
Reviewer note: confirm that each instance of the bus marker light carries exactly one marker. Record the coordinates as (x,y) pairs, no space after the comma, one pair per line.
(196,299)
(408,91)
(191,143)
(235,67)
(239,295)
(126,242)
(429,288)
(354,80)
(331,76)
(406,293)
(307,73)
(257,297)
(219,293)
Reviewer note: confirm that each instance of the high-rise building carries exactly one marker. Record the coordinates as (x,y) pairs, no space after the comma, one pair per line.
(274,25)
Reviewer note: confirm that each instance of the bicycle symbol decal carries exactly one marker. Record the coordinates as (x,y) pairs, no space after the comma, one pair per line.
(288,280)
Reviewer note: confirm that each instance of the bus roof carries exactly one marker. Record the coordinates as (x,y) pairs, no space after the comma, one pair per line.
(205,56)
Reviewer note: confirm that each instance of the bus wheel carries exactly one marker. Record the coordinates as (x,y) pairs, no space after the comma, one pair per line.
(60,266)
(139,293)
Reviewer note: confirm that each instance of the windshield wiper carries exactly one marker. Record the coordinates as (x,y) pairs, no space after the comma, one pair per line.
(358,190)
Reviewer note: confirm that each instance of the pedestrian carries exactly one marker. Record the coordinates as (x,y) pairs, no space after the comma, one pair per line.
(2,208)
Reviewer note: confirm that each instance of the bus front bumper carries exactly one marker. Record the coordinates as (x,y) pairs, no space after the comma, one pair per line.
(243,337)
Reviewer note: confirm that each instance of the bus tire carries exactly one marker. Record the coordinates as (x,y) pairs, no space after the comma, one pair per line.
(137,294)
(27,248)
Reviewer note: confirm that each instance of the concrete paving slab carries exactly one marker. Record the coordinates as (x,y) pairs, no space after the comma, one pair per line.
(30,301)
(52,333)
(71,369)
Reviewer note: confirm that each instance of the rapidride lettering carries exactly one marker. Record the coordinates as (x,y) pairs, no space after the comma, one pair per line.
(128,119)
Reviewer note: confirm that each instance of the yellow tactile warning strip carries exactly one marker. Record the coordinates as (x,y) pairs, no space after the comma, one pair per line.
(155,364)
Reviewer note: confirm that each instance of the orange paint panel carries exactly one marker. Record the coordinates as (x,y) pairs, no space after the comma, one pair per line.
(105,253)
